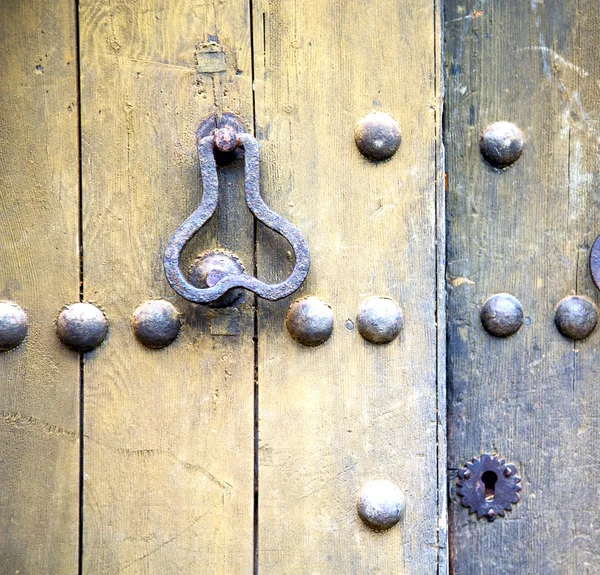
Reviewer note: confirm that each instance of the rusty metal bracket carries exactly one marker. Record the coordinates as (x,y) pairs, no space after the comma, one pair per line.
(595,262)
(488,486)
(226,140)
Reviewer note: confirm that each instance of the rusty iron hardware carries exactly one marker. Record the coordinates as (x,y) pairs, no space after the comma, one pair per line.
(81,326)
(576,317)
(502,315)
(377,136)
(380,504)
(595,262)
(222,146)
(501,144)
(156,323)
(309,321)
(488,486)
(212,265)
(13,325)
(379,319)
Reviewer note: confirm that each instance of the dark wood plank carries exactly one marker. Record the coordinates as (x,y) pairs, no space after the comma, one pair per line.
(532,397)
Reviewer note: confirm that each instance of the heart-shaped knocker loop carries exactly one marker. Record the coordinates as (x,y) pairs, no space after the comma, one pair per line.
(227,140)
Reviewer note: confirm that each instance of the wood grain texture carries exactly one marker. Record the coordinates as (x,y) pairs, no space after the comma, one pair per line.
(39,270)
(533,397)
(168,447)
(332,418)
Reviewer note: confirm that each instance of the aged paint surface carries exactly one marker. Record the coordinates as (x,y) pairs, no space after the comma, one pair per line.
(39,269)
(169,435)
(168,446)
(533,397)
(334,417)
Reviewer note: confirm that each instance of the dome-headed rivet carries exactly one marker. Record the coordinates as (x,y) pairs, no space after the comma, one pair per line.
(81,326)
(491,515)
(224,129)
(13,325)
(156,323)
(501,144)
(225,139)
(379,319)
(576,317)
(212,266)
(502,315)
(377,136)
(309,321)
(380,504)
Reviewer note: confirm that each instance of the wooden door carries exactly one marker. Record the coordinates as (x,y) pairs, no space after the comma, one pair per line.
(234,449)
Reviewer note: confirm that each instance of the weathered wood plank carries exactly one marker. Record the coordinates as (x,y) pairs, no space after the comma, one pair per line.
(532,397)
(168,434)
(332,418)
(39,270)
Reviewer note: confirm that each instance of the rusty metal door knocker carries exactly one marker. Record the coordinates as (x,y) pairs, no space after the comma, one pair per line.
(215,145)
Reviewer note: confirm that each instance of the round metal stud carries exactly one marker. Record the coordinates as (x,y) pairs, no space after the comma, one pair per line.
(81,326)
(377,136)
(595,262)
(309,321)
(226,140)
(501,144)
(502,315)
(224,129)
(213,265)
(380,504)
(379,319)
(576,317)
(156,323)
(13,325)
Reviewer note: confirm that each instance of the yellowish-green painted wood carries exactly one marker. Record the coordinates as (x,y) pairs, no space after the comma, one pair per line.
(168,446)
(332,418)
(39,270)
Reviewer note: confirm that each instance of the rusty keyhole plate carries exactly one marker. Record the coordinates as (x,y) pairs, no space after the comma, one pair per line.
(488,486)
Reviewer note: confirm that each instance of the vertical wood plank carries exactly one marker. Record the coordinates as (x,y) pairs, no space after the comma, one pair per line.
(39,270)
(334,417)
(533,397)
(168,452)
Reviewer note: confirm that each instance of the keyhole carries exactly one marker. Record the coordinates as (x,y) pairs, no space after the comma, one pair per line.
(489,479)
